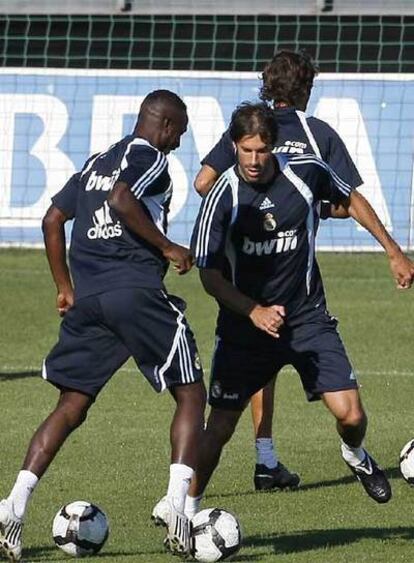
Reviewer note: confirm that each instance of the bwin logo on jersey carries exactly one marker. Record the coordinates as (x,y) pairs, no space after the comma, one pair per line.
(102,183)
(104,225)
(285,241)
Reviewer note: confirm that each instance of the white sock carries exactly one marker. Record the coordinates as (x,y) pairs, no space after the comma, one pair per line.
(192,506)
(266,453)
(19,497)
(354,456)
(180,479)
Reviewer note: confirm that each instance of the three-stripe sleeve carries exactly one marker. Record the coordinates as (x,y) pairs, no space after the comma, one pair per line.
(209,234)
(331,186)
(142,170)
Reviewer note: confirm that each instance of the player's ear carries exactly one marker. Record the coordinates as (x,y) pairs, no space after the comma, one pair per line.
(166,123)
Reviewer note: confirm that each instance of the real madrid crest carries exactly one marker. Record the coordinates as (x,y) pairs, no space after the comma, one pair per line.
(215,390)
(269,222)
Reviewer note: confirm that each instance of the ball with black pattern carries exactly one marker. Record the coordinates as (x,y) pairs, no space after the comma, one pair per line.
(80,528)
(215,535)
(407,462)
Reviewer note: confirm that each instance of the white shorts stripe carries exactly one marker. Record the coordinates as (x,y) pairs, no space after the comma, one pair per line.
(175,344)
(180,345)
(190,373)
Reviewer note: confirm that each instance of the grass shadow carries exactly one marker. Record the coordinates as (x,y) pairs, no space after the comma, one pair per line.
(391,472)
(10,375)
(309,540)
(44,553)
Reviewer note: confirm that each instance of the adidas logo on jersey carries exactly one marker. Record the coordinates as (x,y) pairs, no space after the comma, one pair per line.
(104,226)
(266,204)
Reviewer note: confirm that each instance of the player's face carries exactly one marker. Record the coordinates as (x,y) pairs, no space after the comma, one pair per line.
(176,128)
(255,159)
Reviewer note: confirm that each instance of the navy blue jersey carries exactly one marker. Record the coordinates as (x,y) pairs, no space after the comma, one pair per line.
(298,134)
(104,253)
(262,237)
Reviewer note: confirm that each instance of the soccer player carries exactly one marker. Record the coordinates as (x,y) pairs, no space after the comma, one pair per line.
(254,245)
(119,307)
(287,82)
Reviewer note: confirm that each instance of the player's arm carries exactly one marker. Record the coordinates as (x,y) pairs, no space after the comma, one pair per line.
(205,179)
(208,242)
(329,210)
(63,208)
(221,157)
(144,173)
(130,211)
(336,155)
(269,319)
(360,209)
(402,268)
(53,227)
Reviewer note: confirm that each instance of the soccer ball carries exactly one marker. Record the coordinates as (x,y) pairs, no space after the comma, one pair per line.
(407,462)
(80,528)
(215,534)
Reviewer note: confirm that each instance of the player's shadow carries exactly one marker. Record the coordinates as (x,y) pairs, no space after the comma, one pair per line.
(309,540)
(10,375)
(44,553)
(391,472)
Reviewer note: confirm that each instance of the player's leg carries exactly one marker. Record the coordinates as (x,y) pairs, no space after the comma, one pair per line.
(238,371)
(351,423)
(270,473)
(69,413)
(326,373)
(186,432)
(188,423)
(152,325)
(219,429)
(79,384)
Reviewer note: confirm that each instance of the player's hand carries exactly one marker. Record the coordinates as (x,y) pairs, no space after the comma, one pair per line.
(64,301)
(402,269)
(269,319)
(180,257)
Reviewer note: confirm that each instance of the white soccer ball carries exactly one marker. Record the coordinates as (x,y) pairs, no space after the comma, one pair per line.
(215,535)
(80,528)
(407,462)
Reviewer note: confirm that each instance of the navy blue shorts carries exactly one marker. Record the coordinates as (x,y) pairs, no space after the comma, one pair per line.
(99,333)
(313,348)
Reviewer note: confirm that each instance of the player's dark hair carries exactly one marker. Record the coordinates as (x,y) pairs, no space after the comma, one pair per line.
(254,119)
(163,97)
(288,78)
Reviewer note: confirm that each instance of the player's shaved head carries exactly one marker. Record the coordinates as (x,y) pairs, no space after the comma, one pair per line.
(159,104)
(162,119)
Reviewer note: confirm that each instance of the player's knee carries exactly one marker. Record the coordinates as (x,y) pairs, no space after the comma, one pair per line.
(221,429)
(75,416)
(352,417)
(191,397)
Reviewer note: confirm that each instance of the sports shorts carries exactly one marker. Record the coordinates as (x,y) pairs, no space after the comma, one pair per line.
(314,348)
(100,332)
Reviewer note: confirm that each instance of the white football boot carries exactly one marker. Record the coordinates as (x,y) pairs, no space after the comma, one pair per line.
(10,532)
(177,524)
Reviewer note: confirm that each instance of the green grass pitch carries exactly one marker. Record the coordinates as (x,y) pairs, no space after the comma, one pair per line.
(119,459)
